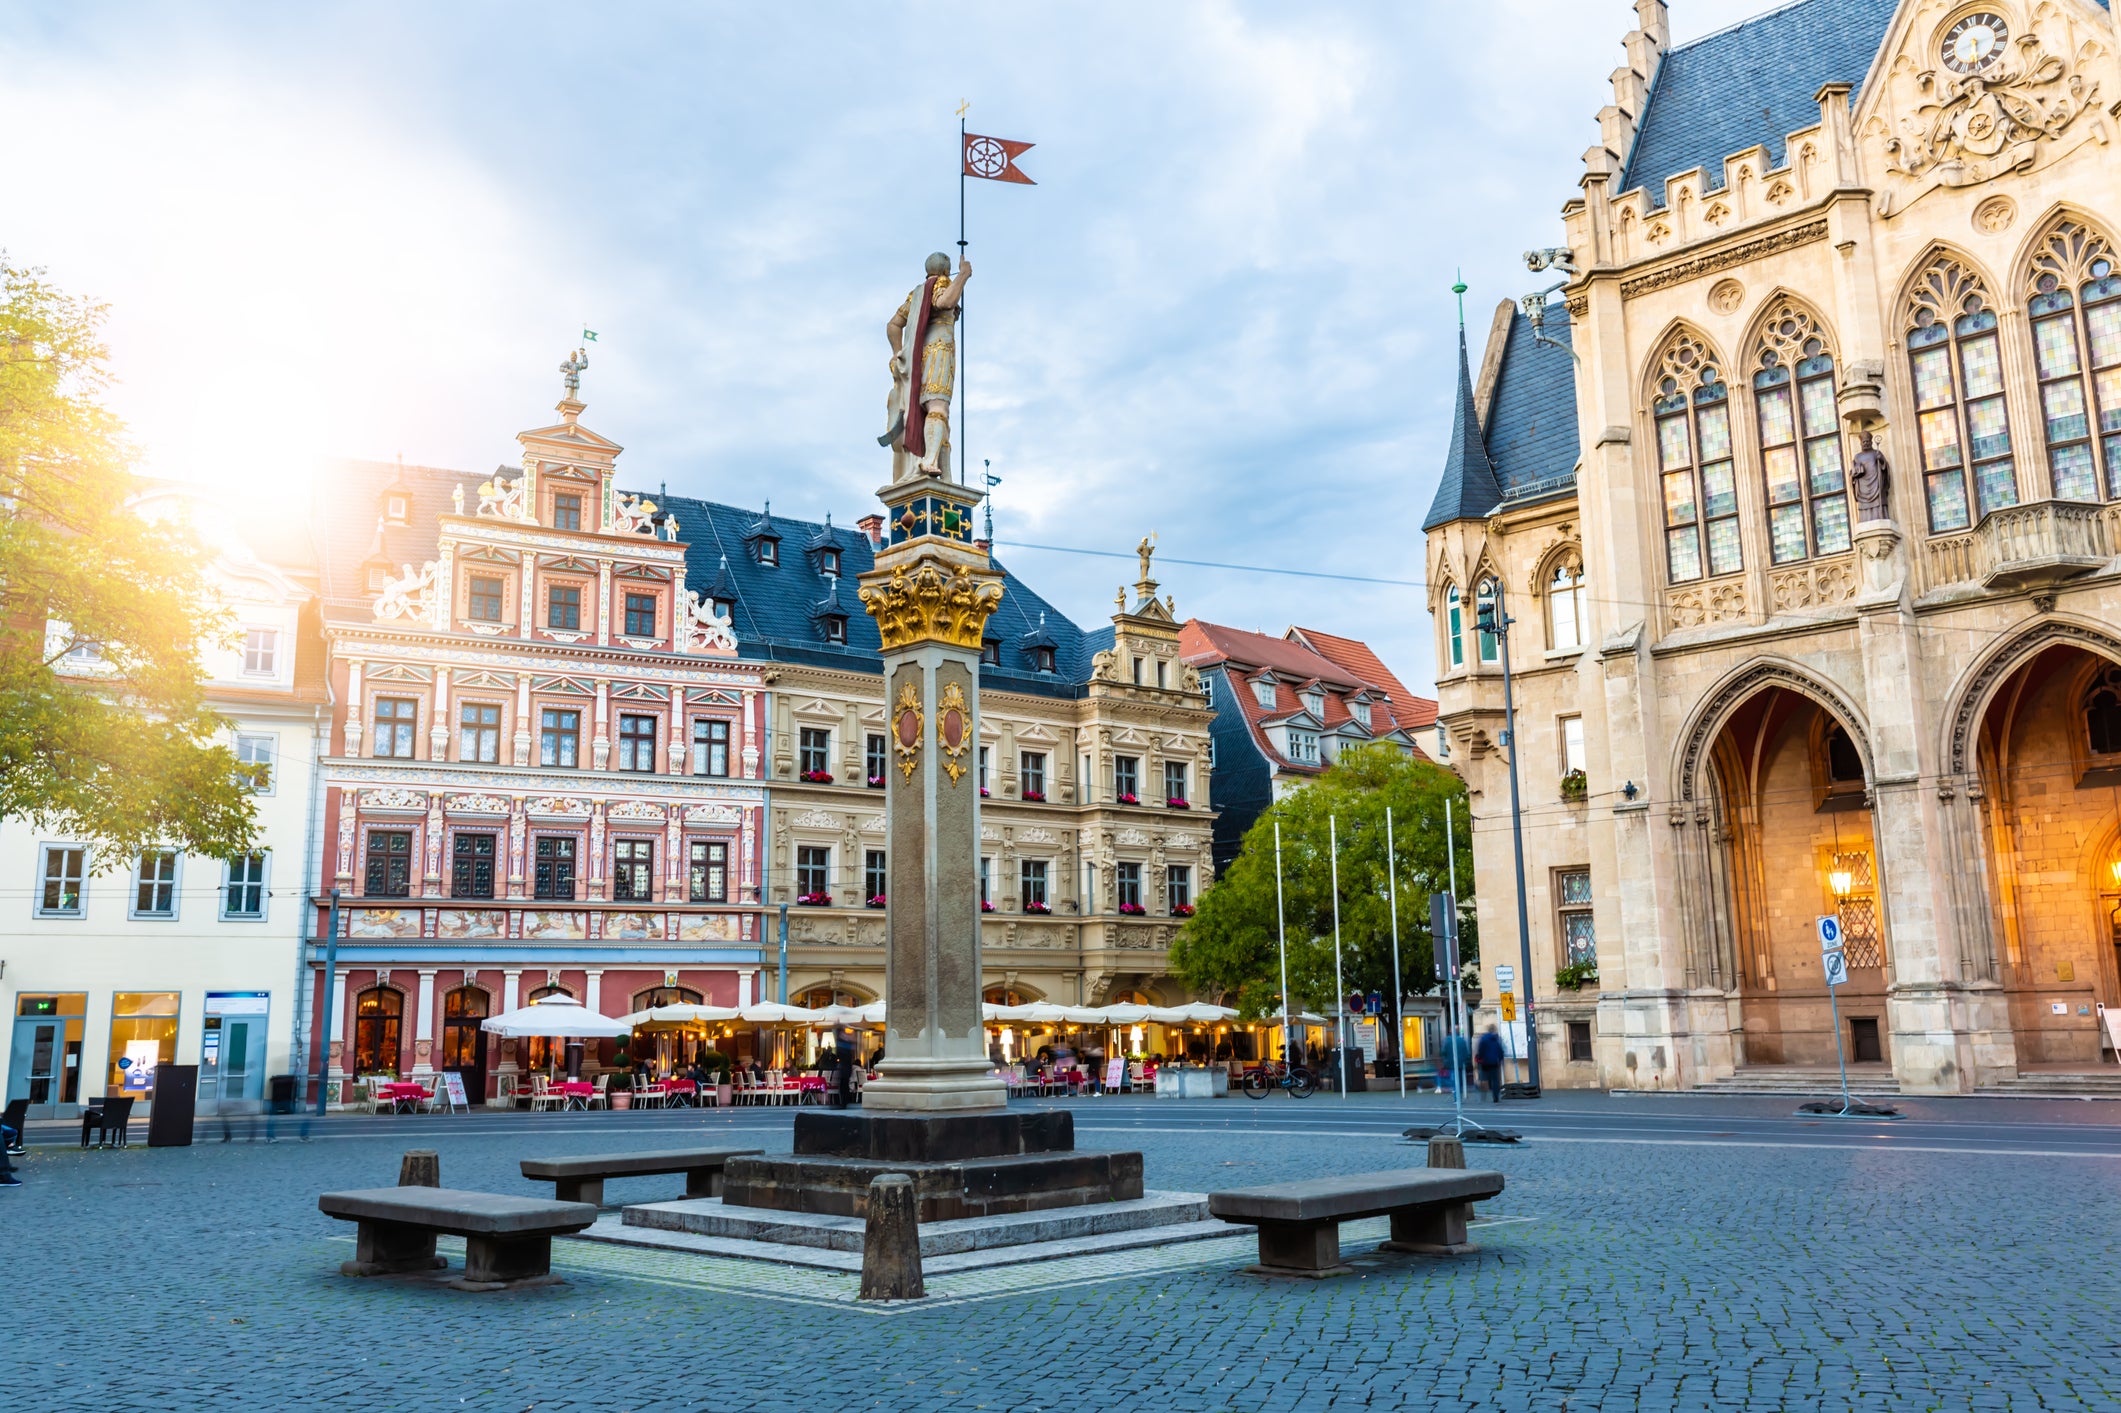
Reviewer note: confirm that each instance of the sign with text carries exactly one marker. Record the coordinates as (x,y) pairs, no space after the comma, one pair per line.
(1830,934)
(453,1085)
(1115,1073)
(1366,1039)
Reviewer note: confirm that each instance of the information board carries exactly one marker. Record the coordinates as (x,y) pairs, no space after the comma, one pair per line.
(1115,1073)
(453,1084)
(1366,1039)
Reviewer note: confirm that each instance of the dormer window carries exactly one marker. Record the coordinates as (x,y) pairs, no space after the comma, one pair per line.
(1360,710)
(990,651)
(1263,693)
(566,511)
(1315,703)
(835,628)
(397,509)
(1042,659)
(828,561)
(769,552)
(1303,747)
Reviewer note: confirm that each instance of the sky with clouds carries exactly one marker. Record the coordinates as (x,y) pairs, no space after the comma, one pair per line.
(1222,315)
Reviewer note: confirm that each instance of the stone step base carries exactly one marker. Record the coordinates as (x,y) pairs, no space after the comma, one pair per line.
(711,1217)
(1809,1083)
(2094,1084)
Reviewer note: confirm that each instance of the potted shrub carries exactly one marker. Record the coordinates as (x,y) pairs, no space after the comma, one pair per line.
(1576,976)
(814,900)
(620,1090)
(1575,787)
(719,1067)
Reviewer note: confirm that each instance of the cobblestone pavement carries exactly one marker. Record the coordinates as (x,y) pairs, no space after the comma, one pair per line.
(1648,1254)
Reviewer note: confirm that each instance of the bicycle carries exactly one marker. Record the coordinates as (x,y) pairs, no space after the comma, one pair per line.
(1270,1076)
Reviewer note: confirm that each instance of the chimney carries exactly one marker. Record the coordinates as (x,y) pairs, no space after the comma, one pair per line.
(873,527)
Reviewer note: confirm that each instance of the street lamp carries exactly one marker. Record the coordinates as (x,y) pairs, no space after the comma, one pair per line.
(1492,619)
(1841,880)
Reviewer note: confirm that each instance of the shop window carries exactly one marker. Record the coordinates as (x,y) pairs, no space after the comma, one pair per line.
(708,881)
(143,1034)
(243,895)
(559,735)
(379,1015)
(1579,936)
(258,752)
(155,884)
(486,596)
(1956,357)
(640,615)
(1693,421)
(462,1011)
(553,866)
(471,858)
(710,748)
(479,733)
(389,871)
(633,871)
(637,743)
(396,717)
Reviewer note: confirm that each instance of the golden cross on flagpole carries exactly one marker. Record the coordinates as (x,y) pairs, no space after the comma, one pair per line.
(962,106)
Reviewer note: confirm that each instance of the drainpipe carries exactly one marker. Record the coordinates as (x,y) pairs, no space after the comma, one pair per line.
(305,993)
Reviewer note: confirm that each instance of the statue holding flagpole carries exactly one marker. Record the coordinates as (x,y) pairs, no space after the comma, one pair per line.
(923,336)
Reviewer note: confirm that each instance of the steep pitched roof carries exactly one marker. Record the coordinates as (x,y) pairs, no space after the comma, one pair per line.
(1297,664)
(1409,711)
(1468,488)
(1532,438)
(1753,83)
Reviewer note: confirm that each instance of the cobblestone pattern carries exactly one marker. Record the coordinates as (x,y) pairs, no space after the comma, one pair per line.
(1636,1277)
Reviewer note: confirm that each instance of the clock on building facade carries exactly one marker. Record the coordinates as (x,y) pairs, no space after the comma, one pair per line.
(1975,43)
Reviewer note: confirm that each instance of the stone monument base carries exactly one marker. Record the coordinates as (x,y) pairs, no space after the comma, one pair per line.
(990,1163)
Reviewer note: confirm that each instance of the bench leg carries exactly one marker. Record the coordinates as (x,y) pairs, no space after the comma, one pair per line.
(391,1248)
(590,1190)
(499,1262)
(703,1182)
(1437,1230)
(1299,1249)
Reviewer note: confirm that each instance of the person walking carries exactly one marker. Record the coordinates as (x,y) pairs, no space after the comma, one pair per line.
(1488,1055)
(843,1074)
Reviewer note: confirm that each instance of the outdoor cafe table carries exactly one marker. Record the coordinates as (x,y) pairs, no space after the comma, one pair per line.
(577,1092)
(685,1091)
(404,1092)
(811,1084)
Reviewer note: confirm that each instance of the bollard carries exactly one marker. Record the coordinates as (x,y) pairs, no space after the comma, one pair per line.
(1445,1152)
(891,1243)
(421,1167)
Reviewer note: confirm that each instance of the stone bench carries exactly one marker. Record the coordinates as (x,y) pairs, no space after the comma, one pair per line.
(1299,1222)
(507,1240)
(582,1179)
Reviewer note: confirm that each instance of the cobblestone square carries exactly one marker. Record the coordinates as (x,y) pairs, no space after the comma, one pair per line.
(1648,1253)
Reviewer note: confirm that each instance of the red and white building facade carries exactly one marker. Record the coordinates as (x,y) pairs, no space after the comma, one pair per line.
(545,768)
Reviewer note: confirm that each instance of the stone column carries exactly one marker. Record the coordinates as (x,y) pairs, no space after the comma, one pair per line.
(423,1027)
(351,744)
(931,593)
(438,719)
(743,985)
(523,722)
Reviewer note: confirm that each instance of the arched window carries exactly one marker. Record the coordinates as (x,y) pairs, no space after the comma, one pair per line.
(1484,610)
(2102,714)
(1455,625)
(1800,440)
(1960,419)
(462,1010)
(2075,303)
(1565,616)
(1693,414)
(666,996)
(378,1023)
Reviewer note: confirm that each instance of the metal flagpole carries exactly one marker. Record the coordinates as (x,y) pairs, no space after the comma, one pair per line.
(1340,987)
(1399,1041)
(1281,932)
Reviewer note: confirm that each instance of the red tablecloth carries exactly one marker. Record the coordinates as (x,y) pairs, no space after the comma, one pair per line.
(680,1086)
(810,1081)
(575,1089)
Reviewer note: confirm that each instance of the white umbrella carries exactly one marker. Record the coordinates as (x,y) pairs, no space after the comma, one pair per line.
(1083,1015)
(681,1015)
(774,1013)
(557,1016)
(1128,1014)
(1037,1013)
(872,1014)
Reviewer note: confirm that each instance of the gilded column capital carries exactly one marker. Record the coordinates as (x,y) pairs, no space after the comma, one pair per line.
(931,600)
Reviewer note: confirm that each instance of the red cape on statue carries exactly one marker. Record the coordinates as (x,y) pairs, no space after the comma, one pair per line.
(916,436)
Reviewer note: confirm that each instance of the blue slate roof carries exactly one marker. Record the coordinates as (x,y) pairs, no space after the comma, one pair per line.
(1468,488)
(777,609)
(1532,435)
(1754,83)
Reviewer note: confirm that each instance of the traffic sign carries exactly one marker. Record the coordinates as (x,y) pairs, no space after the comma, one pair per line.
(1836,966)
(1509,1005)
(1829,933)
(1504,975)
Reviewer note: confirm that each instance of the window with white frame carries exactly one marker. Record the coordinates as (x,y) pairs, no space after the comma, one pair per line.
(1303,747)
(814,750)
(155,884)
(710,747)
(64,872)
(1031,766)
(1573,757)
(243,894)
(709,878)
(258,752)
(1263,693)
(1360,710)
(261,652)
(1565,620)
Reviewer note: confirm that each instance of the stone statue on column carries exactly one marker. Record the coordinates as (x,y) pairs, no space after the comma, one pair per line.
(923,336)
(1871,478)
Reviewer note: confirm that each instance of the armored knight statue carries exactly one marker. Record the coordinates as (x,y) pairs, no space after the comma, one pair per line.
(923,338)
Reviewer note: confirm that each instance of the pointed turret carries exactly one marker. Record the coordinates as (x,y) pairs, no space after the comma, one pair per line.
(1469,489)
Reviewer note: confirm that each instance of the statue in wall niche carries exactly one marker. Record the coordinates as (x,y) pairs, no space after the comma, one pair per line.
(1871,477)
(923,336)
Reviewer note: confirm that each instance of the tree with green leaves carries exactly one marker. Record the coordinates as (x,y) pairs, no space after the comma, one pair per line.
(1228,947)
(105,734)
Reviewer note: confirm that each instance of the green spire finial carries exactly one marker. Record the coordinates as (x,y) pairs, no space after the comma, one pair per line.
(1459,289)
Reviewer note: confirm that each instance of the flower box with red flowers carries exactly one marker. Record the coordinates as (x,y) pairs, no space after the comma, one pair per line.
(1177,804)
(1040,908)
(876,782)
(1181,910)
(1130,799)
(1132,910)
(983,792)
(985,906)
(814,900)
(876,902)
(1035,796)
(817,777)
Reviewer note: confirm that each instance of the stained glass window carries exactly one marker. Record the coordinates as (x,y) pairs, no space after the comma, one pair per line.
(1700,479)
(2081,417)
(1960,416)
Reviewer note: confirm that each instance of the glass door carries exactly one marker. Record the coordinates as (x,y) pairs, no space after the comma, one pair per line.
(33,1069)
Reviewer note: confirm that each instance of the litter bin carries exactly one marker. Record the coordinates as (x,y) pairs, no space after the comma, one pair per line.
(1342,1072)
(280,1093)
(176,1096)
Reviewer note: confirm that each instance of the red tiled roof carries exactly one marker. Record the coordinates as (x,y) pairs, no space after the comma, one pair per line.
(1413,713)
(1296,666)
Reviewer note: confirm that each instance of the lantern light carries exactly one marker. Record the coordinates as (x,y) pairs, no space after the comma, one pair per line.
(1842,880)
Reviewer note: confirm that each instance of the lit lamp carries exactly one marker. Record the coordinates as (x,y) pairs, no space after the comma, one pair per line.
(1841,880)
(2116,867)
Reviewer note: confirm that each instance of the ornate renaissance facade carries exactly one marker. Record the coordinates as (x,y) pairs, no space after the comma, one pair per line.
(547,763)
(1803,503)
